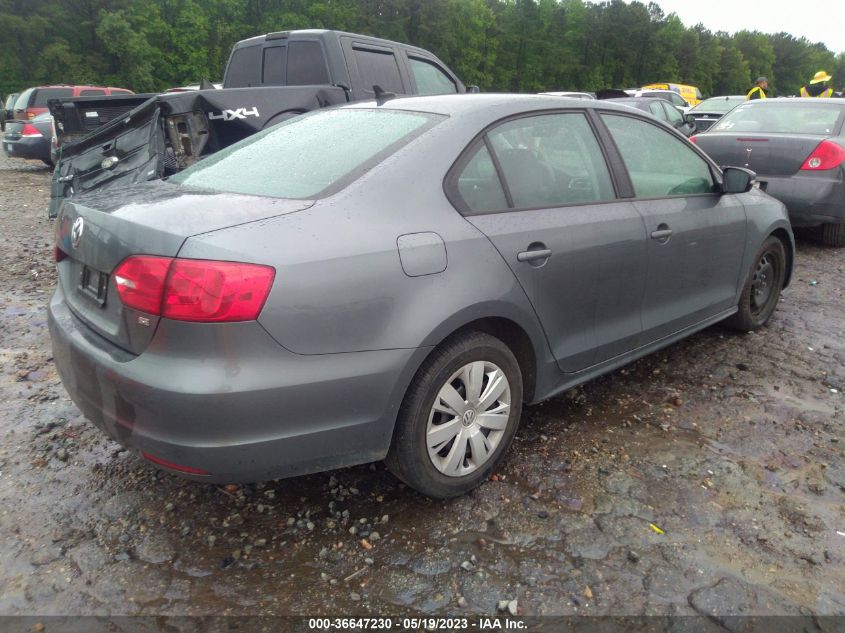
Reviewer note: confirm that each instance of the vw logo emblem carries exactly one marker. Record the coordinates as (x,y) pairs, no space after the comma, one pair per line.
(76,231)
(468,417)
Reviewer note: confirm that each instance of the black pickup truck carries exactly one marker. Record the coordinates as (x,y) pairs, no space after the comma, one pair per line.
(116,141)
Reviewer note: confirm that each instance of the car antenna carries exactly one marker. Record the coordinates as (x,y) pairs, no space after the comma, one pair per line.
(382,95)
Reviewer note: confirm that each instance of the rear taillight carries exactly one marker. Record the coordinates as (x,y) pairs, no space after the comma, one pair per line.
(692,139)
(193,289)
(30,130)
(140,282)
(827,155)
(58,254)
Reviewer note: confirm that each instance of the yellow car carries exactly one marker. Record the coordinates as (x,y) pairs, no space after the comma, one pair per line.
(691,94)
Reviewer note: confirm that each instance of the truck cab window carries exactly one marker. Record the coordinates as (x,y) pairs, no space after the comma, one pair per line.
(244,68)
(306,64)
(377,67)
(275,60)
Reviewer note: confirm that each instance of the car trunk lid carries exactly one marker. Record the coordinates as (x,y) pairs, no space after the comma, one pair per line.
(96,232)
(766,154)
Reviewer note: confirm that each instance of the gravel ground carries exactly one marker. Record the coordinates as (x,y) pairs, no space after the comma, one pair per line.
(706,479)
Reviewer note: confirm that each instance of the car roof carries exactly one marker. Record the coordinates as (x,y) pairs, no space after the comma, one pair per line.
(322,33)
(458,104)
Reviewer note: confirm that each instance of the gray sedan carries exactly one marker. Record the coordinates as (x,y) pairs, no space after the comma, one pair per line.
(395,280)
(797,148)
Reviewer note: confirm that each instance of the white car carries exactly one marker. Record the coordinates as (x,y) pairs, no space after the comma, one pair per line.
(670,95)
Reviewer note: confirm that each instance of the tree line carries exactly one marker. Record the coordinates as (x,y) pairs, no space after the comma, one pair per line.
(499,45)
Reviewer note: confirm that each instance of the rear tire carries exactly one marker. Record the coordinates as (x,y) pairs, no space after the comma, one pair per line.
(833,234)
(761,292)
(458,417)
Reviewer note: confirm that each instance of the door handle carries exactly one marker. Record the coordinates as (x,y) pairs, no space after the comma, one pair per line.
(662,233)
(531,256)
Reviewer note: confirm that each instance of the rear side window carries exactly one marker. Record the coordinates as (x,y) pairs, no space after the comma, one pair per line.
(91,92)
(120,91)
(551,160)
(244,68)
(547,160)
(658,163)
(378,68)
(42,95)
(656,109)
(430,79)
(275,61)
(306,64)
(308,156)
(478,183)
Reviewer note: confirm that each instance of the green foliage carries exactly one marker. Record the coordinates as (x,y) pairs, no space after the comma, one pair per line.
(513,45)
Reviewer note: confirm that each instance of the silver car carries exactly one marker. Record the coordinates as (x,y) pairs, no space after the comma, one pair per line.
(395,280)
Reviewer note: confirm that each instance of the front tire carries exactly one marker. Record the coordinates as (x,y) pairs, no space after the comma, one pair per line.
(458,417)
(761,292)
(833,234)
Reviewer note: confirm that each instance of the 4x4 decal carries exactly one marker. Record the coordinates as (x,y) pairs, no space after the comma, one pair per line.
(231,115)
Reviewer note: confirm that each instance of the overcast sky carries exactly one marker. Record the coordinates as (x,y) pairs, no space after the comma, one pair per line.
(817,20)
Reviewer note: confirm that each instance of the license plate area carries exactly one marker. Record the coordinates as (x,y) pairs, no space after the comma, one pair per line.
(93,284)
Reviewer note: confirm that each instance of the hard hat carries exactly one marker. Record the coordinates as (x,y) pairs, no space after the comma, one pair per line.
(819,77)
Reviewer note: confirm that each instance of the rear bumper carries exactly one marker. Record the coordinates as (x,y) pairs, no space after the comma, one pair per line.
(811,199)
(31,147)
(228,400)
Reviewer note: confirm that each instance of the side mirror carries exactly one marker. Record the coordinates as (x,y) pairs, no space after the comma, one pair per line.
(737,179)
(689,118)
(473,89)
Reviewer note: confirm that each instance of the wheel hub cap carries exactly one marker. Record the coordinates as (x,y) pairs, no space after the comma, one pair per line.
(468,419)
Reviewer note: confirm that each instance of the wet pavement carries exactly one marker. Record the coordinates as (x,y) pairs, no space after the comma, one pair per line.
(708,478)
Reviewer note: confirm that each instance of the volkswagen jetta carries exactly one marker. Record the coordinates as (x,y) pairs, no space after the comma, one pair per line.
(394,281)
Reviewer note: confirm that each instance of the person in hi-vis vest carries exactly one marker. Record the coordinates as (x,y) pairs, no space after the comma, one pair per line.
(759,89)
(819,86)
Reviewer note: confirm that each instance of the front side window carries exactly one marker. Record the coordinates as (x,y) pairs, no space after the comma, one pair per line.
(673,115)
(658,163)
(430,79)
(551,160)
(309,156)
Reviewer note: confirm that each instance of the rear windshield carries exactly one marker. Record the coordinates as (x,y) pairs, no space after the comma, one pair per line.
(310,156)
(718,104)
(790,117)
(43,94)
(23,100)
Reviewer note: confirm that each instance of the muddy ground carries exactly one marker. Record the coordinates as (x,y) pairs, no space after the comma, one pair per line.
(707,478)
